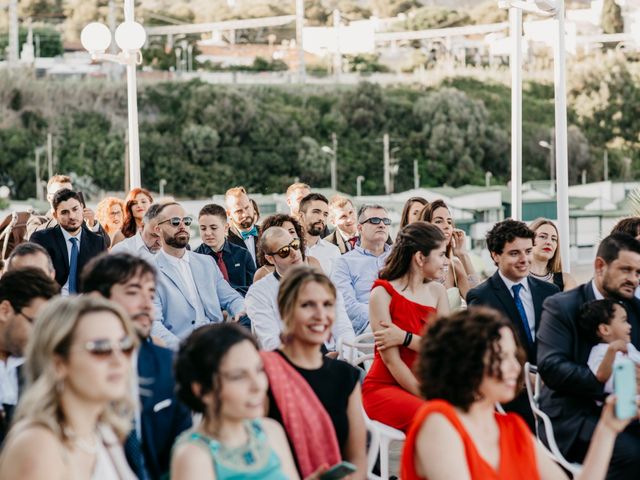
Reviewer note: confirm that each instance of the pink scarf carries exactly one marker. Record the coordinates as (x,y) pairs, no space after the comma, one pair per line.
(306,422)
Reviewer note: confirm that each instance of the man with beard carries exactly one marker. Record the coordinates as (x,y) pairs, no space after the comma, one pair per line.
(243,230)
(70,244)
(23,293)
(314,211)
(343,216)
(130,281)
(191,289)
(570,390)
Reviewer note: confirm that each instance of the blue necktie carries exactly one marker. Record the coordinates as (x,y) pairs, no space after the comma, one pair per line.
(135,457)
(73,266)
(523,315)
(250,233)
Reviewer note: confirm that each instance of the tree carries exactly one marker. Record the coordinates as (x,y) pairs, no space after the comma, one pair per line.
(611,19)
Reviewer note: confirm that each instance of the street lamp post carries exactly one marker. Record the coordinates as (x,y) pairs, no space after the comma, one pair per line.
(556,9)
(334,160)
(359,180)
(162,184)
(549,146)
(130,36)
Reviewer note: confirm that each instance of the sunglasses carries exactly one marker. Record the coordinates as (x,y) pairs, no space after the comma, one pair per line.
(285,251)
(376,221)
(104,348)
(175,221)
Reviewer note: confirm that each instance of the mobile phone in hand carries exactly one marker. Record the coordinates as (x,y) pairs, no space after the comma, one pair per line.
(625,388)
(338,471)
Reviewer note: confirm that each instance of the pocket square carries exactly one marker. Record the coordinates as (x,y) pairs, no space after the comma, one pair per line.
(237,265)
(160,405)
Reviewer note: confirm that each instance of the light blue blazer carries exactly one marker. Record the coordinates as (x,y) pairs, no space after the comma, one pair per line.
(175,315)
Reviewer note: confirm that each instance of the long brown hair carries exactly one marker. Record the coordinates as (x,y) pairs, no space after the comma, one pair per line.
(415,237)
(554,264)
(404,218)
(427,216)
(129,227)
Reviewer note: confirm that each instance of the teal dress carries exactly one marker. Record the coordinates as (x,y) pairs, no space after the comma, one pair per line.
(255,460)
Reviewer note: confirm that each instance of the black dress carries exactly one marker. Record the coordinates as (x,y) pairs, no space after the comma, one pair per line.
(558,281)
(333,384)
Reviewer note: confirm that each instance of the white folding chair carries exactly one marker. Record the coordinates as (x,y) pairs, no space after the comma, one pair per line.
(533,392)
(360,352)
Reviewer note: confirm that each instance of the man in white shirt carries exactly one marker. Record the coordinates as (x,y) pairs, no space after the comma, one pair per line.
(313,214)
(146,242)
(283,251)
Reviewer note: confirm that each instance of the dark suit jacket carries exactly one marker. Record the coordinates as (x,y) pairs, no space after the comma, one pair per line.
(570,389)
(163,416)
(53,241)
(338,241)
(235,238)
(494,293)
(239,263)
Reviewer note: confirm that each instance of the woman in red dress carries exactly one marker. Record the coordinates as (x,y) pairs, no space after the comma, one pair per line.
(468,362)
(402,303)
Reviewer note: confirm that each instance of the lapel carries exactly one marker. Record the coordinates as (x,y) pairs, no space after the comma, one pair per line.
(86,248)
(506,299)
(174,275)
(147,372)
(342,245)
(61,246)
(536,296)
(202,278)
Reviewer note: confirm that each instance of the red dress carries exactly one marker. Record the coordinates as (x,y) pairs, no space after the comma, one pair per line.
(517,452)
(383,398)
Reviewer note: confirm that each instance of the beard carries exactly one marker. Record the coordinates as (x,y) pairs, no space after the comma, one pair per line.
(176,242)
(246,224)
(615,292)
(316,229)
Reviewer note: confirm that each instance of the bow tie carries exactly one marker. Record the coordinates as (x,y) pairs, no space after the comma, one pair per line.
(249,233)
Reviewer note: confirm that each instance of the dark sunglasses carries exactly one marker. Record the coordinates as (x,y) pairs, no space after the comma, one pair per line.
(104,348)
(175,221)
(285,251)
(377,220)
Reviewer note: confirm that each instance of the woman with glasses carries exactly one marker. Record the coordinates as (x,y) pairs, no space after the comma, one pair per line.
(219,374)
(404,300)
(137,203)
(316,398)
(295,229)
(78,405)
(460,275)
(546,263)
(110,214)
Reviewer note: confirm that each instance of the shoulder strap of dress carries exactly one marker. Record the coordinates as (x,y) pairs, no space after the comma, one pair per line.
(453,270)
(384,284)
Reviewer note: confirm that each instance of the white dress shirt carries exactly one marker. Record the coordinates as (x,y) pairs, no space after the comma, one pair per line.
(527,301)
(135,246)
(67,240)
(325,253)
(9,380)
(182,265)
(250,242)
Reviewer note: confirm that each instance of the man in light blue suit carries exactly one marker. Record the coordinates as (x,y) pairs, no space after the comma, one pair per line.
(191,290)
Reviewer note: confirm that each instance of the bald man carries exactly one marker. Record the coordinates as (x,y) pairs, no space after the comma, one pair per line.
(283,251)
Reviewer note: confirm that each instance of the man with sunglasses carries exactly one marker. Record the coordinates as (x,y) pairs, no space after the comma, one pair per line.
(146,242)
(23,293)
(355,271)
(283,252)
(130,281)
(191,289)
(313,215)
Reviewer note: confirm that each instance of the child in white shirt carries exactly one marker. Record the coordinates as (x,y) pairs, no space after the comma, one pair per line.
(604,323)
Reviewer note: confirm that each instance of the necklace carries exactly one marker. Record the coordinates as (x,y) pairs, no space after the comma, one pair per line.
(82,444)
(546,276)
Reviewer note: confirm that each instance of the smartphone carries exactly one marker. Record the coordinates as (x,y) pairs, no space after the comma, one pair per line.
(338,471)
(625,389)
(81,195)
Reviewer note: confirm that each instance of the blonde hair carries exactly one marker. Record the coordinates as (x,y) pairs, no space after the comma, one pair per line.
(554,265)
(296,186)
(338,201)
(103,209)
(52,336)
(59,179)
(290,288)
(235,192)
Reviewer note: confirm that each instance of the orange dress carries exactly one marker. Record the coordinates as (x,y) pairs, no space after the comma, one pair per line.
(517,452)
(383,398)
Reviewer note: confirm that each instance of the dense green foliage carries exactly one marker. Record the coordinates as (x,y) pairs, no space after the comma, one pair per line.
(47,41)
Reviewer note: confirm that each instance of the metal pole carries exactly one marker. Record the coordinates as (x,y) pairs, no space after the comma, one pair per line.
(359,181)
(606,165)
(50,154)
(334,162)
(387,165)
(562,167)
(302,74)
(38,190)
(132,110)
(416,175)
(337,58)
(14,41)
(515,18)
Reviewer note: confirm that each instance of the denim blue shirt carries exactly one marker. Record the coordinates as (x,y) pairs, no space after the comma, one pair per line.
(353,275)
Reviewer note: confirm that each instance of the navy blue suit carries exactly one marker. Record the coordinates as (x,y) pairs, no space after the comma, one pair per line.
(163,417)
(240,265)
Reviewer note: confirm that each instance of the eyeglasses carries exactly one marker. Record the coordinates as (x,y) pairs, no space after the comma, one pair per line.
(175,221)
(104,348)
(285,251)
(29,319)
(376,221)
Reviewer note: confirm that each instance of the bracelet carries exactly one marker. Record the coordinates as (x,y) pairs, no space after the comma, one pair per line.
(407,339)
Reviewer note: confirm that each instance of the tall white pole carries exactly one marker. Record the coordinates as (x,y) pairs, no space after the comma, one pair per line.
(386,164)
(515,18)
(334,162)
(561,156)
(416,175)
(132,104)
(13,34)
(302,73)
(337,57)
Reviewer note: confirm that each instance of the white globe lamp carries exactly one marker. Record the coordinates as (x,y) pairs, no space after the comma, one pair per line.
(130,36)
(95,37)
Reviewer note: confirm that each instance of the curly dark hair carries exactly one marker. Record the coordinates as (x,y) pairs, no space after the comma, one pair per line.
(199,358)
(593,314)
(278,220)
(507,231)
(458,351)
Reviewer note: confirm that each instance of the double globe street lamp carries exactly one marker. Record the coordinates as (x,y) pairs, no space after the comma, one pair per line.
(130,36)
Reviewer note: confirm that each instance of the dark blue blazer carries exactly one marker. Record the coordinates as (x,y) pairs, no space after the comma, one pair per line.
(239,263)
(163,416)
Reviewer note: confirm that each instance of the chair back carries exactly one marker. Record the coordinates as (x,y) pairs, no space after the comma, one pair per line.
(359,352)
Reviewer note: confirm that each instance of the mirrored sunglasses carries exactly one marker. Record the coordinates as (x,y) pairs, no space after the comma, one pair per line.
(104,348)
(175,221)
(377,220)
(285,251)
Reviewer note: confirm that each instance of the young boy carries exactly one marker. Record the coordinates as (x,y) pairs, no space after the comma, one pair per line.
(604,322)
